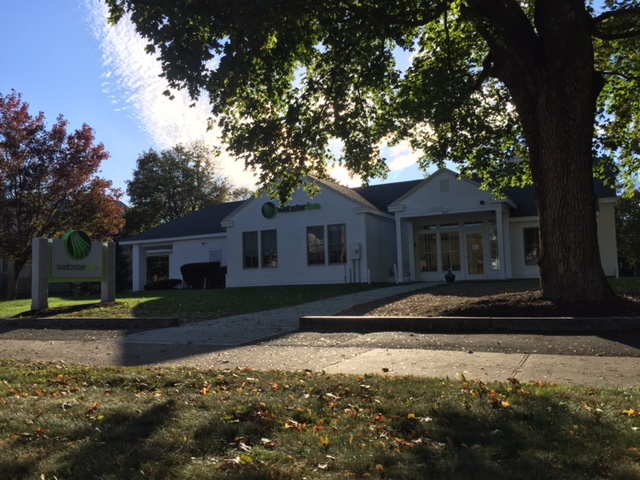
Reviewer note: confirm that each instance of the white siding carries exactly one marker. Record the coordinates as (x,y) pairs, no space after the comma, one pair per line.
(462,196)
(291,230)
(381,247)
(194,251)
(607,239)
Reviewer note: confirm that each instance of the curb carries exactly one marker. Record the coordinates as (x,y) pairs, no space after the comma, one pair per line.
(90,323)
(468,324)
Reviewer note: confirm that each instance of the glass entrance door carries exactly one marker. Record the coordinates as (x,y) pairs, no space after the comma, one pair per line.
(475,254)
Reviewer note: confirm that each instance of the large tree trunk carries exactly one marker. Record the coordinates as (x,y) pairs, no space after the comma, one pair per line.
(549,72)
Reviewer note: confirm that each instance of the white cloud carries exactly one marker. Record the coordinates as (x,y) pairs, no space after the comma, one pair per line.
(133,83)
(343,177)
(401,156)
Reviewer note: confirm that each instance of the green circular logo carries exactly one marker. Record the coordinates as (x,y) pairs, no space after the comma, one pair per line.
(269,210)
(77,244)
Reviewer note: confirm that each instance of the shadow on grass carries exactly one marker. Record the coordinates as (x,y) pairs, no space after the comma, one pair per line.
(476,432)
(87,308)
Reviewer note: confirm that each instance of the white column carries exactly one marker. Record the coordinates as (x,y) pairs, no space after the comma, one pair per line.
(502,252)
(411,238)
(399,267)
(507,245)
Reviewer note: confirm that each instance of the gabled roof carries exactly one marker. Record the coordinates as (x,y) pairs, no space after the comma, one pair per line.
(385,194)
(203,222)
(347,192)
(376,197)
(418,184)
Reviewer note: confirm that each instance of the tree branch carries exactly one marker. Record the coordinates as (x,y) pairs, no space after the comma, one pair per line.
(622,75)
(627,18)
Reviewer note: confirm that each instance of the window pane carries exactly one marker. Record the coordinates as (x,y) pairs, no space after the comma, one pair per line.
(315,245)
(337,243)
(531,246)
(269,248)
(450,247)
(250,249)
(428,253)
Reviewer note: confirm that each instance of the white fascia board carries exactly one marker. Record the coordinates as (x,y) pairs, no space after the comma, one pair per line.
(396,208)
(372,212)
(173,239)
(506,200)
(523,219)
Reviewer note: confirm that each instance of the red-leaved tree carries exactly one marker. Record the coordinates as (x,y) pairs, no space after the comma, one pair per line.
(48,183)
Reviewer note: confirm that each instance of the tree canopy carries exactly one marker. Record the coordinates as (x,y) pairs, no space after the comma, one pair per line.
(170,184)
(48,183)
(554,82)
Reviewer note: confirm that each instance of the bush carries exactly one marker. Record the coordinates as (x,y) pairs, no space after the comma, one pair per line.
(163,284)
(204,275)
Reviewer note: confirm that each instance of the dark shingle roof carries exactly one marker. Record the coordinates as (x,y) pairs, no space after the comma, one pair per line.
(526,205)
(208,220)
(385,194)
(203,222)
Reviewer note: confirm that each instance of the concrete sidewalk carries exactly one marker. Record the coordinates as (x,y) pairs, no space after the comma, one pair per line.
(249,328)
(282,346)
(273,340)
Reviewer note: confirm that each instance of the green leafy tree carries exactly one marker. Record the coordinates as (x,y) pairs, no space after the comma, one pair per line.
(170,184)
(48,183)
(628,229)
(487,80)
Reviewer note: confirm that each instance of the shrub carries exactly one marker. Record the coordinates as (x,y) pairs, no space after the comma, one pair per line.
(204,275)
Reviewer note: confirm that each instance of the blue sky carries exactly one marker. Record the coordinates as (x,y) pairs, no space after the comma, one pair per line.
(64,59)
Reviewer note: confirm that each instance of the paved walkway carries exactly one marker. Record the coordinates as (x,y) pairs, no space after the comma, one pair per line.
(272,340)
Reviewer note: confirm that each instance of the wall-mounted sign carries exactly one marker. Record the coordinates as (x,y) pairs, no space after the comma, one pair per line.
(75,258)
(269,210)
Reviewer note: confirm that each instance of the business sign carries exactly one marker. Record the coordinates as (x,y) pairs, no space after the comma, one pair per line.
(269,210)
(75,258)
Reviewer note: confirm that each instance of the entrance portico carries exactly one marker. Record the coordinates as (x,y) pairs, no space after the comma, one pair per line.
(465,230)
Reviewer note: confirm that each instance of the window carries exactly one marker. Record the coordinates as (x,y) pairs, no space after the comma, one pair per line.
(263,254)
(450,247)
(315,245)
(337,243)
(428,253)
(531,245)
(250,250)
(269,248)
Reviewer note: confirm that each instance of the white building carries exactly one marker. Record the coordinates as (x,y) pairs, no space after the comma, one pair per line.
(407,231)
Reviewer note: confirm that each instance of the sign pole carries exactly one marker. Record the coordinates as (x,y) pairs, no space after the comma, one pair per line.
(108,284)
(39,273)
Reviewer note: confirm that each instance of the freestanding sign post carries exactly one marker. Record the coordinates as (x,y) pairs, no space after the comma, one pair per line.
(74,258)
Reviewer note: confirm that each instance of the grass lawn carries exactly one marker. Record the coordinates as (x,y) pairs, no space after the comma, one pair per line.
(185,304)
(190,305)
(125,423)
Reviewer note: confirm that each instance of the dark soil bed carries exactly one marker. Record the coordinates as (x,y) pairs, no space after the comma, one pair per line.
(491,299)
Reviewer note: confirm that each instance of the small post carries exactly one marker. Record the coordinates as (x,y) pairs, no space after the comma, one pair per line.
(39,273)
(108,285)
